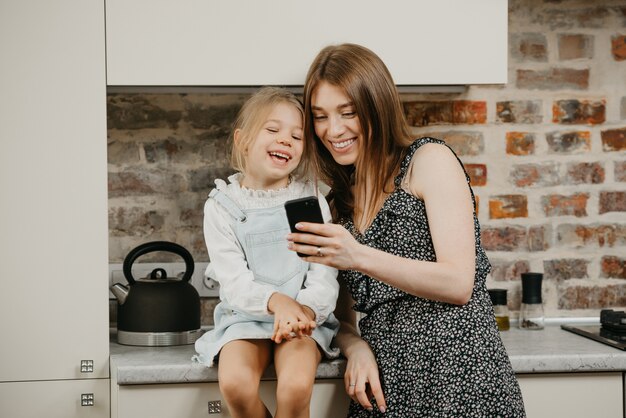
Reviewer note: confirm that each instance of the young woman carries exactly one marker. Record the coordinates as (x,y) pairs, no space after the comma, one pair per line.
(408,247)
(274,305)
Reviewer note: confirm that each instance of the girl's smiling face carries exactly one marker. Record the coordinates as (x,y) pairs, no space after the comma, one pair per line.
(276,150)
(336,122)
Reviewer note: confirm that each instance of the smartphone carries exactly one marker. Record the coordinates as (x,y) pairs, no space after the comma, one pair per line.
(305,209)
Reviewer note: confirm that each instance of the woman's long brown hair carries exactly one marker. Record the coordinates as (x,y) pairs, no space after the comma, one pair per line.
(367,82)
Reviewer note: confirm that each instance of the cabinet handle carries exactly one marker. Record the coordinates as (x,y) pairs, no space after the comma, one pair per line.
(86,399)
(86,366)
(215,407)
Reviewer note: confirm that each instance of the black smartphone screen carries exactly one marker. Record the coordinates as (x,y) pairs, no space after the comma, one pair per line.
(306,209)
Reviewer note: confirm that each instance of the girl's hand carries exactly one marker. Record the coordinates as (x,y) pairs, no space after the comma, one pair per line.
(361,379)
(290,317)
(328,244)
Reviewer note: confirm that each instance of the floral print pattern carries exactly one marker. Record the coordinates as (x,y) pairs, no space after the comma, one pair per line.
(435,359)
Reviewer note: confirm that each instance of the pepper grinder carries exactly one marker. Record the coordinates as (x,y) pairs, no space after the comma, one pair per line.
(500,308)
(531,313)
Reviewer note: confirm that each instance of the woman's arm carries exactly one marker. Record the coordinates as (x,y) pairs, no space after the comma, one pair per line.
(361,378)
(438,179)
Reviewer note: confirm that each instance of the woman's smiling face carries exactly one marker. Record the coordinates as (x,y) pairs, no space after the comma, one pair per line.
(336,122)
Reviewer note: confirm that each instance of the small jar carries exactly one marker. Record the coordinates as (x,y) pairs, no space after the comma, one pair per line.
(500,308)
(531,311)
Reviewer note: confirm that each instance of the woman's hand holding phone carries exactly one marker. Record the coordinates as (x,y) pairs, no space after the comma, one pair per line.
(327,244)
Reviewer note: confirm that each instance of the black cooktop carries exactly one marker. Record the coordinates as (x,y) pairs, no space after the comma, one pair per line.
(611,331)
(595,332)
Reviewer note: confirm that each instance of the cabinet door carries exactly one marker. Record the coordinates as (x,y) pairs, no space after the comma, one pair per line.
(243,42)
(53,188)
(573,395)
(202,400)
(55,399)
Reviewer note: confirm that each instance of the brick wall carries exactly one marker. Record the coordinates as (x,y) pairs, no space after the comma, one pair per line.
(546,154)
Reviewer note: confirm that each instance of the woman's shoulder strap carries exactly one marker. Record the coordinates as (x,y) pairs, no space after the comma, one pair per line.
(408,156)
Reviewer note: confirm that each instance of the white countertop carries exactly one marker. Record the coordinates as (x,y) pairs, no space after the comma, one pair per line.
(551,350)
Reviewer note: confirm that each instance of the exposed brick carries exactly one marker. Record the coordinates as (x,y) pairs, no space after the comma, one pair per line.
(621,12)
(421,113)
(539,238)
(560,205)
(592,297)
(527,175)
(575,235)
(508,206)
(620,171)
(207,307)
(214,151)
(135,221)
(614,139)
(514,298)
(506,271)
(569,142)
(613,267)
(520,111)
(528,47)
(510,238)
(462,143)
(217,119)
(192,238)
(569,18)
(477,174)
(570,112)
(565,268)
(612,202)
(202,180)
(584,173)
(163,151)
(575,46)
(618,47)
(191,206)
(144,182)
(553,79)
(520,143)
(122,152)
(136,111)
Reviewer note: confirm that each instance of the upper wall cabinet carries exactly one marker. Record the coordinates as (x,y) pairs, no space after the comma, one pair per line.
(272,42)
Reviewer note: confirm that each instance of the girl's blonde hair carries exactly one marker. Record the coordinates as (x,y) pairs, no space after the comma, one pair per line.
(368,84)
(250,120)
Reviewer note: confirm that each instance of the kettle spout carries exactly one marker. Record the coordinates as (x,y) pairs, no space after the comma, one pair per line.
(120,292)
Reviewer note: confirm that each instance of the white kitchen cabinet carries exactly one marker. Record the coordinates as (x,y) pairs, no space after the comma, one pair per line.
(259,42)
(53,209)
(573,395)
(55,399)
(201,400)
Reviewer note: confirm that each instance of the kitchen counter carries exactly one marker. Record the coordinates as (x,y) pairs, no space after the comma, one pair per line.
(551,350)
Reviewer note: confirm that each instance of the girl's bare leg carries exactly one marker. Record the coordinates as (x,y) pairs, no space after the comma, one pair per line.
(241,365)
(296,363)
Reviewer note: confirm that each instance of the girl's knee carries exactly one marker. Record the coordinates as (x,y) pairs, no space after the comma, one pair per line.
(239,385)
(294,389)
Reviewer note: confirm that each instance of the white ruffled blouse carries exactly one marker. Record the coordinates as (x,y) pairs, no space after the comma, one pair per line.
(229,267)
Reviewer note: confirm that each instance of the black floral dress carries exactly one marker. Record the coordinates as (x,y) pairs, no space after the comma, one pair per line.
(435,359)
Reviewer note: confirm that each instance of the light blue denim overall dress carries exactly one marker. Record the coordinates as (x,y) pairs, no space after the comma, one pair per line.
(261,233)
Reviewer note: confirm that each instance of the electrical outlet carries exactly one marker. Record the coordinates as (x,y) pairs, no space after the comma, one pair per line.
(204,287)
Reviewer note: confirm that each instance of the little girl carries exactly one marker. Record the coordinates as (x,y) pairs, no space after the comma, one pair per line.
(274,306)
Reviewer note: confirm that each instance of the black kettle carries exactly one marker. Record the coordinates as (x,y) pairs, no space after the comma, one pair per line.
(157,310)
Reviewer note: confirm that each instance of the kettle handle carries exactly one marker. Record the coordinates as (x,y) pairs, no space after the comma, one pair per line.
(153,246)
